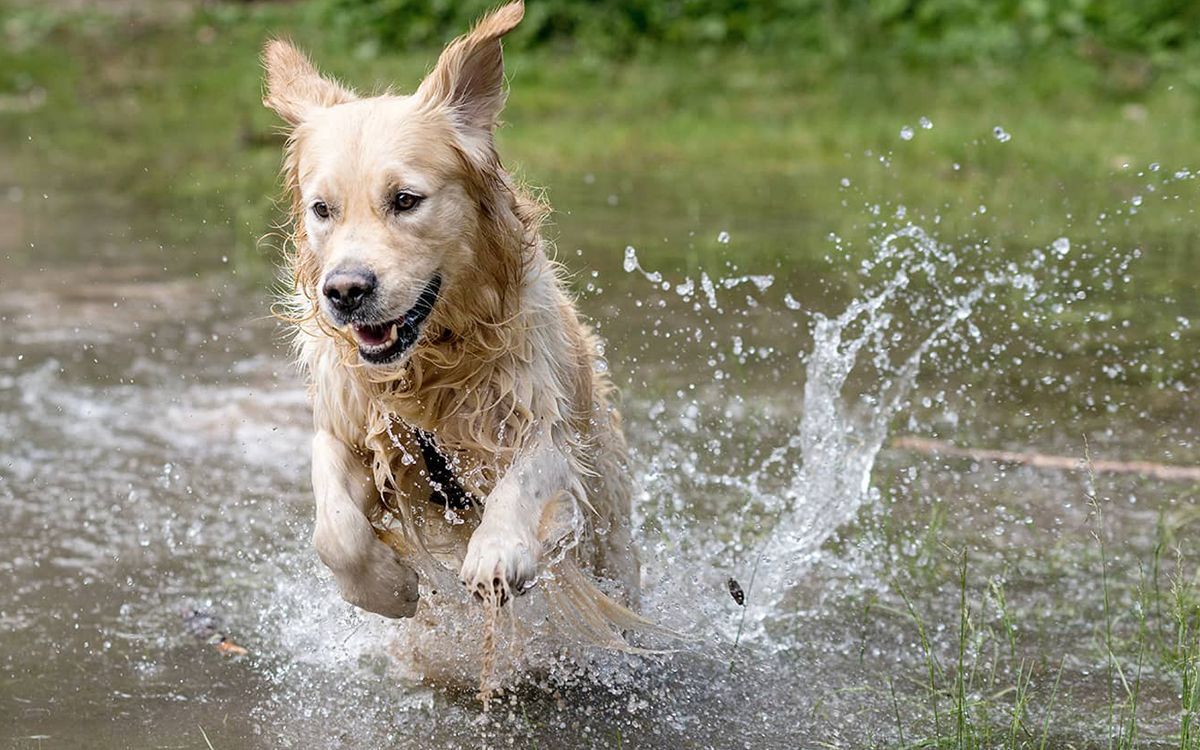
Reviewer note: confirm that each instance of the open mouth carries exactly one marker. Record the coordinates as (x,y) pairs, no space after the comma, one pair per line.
(380,343)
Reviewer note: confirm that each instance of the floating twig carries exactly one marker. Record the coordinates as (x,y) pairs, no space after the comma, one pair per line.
(1048,461)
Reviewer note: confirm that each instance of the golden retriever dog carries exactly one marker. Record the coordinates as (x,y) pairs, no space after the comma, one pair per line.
(463,424)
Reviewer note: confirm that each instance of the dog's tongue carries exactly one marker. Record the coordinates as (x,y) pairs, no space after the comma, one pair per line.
(373,335)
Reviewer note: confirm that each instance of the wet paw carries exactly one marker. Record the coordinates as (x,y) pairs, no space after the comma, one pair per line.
(498,566)
(385,584)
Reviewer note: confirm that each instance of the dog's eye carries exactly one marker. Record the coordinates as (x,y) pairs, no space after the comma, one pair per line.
(321,209)
(405,201)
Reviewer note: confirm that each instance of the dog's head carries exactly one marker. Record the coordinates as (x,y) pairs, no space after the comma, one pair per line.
(393,195)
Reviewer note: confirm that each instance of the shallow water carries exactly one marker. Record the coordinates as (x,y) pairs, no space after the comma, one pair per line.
(154,458)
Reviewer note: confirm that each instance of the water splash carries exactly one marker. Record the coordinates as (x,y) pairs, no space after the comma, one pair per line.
(841,432)
(920,295)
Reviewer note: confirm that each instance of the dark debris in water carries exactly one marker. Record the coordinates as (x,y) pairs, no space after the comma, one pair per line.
(208,627)
(735,590)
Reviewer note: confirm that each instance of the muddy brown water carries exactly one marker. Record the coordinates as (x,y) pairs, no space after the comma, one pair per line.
(153,456)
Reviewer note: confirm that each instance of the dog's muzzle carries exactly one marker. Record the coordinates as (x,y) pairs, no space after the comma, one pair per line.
(381,343)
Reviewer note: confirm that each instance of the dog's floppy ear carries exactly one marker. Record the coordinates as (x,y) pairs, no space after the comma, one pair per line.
(468,79)
(294,87)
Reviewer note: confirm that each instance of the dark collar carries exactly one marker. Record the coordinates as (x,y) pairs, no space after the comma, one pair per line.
(447,490)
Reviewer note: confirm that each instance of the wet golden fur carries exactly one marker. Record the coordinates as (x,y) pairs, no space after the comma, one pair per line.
(504,374)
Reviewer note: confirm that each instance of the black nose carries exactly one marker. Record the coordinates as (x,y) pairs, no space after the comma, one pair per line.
(346,289)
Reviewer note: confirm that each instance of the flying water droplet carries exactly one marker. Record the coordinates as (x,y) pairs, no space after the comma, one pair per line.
(906,133)
(631,262)
(1001,134)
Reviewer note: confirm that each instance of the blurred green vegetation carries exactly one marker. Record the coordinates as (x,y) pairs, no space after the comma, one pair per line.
(674,142)
(942,30)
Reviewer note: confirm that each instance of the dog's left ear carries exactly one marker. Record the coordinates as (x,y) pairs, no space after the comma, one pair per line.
(468,79)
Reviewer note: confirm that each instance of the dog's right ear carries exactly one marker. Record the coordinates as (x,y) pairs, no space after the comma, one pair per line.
(295,88)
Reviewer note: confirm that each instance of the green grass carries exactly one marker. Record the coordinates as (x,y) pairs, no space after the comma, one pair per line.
(987,667)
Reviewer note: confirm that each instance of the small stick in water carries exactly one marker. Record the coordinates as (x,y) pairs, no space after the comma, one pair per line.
(739,596)
(1169,472)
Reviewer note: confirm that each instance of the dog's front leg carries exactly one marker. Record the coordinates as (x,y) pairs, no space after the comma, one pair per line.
(369,573)
(504,553)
